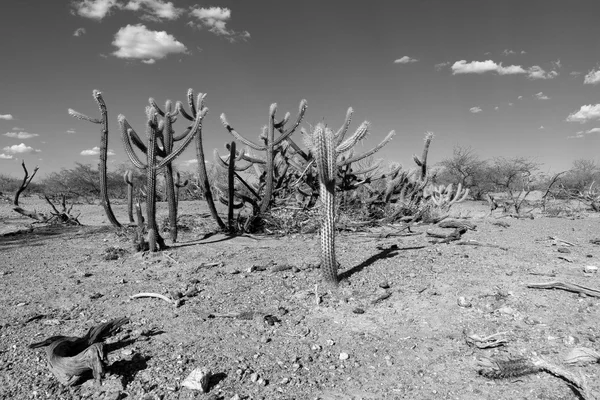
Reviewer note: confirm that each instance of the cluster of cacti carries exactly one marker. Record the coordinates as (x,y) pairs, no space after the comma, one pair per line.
(445,196)
(103,153)
(159,153)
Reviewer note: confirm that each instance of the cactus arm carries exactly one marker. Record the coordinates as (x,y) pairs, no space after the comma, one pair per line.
(374,150)
(422,162)
(156,107)
(358,135)
(252,159)
(240,137)
(128,178)
(125,136)
(287,133)
(284,121)
(270,158)
(341,133)
(190,100)
(325,159)
(196,128)
(225,164)
(231,185)
(83,117)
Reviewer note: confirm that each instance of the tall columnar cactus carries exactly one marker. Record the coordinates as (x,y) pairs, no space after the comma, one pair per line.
(270,146)
(178,186)
(153,152)
(128,178)
(321,143)
(422,162)
(195,110)
(103,153)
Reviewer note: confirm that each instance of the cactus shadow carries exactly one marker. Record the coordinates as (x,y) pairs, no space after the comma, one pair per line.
(384,253)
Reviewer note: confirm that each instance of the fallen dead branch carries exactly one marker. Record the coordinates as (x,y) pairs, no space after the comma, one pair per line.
(486,342)
(502,369)
(457,224)
(154,295)
(571,287)
(472,242)
(556,239)
(71,357)
(26,181)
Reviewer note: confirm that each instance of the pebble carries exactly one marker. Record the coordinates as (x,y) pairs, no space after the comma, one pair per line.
(254,377)
(344,356)
(198,379)
(590,269)
(464,302)
(358,310)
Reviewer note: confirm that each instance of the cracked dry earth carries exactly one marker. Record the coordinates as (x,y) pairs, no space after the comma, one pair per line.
(255,313)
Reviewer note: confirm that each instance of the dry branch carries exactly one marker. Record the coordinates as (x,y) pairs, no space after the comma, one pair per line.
(70,357)
(571,287)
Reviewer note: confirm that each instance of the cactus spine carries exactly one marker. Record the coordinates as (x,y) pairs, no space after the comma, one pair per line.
(103,153)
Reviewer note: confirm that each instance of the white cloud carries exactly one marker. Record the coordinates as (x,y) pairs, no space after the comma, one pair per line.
(438,67)
(480,67)
(523,52)
(582,134)
(95,151)
(79,32)
(155,9)
(585,113)
(70,131)
(536,72)
(6,117)
(5,156)
(216,19)
(20,149)
(189,163)
(575,73)
(136,41)
(541,127)
(20,135)
(519,98)
(510,104)
(508,52)
(475,110)
(16,128)
(592,78)
(405,60)
(557,63)
(541,96)
(94,9)
(496,108)
(149,61)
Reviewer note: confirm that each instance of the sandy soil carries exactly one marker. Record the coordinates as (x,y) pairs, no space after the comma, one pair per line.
(395,329)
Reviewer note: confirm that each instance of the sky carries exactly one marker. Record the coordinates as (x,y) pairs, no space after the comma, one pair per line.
(505,78)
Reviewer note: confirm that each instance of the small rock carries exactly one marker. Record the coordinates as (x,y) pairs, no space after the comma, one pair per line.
(330,342)
(95,296)
(254,377)
(127,352)
(506,310)
(198,379)
(464,302)
(344,356)
(285,381)
(570,340)
(590,269)
(235,397)
(358,310)
(262,382)
(384,285)
(563,250)
(51,322)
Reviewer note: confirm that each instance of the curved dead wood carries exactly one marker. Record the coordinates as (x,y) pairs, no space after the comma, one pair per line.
(70,357)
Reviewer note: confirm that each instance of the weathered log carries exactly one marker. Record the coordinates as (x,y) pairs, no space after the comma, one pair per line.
(70,357)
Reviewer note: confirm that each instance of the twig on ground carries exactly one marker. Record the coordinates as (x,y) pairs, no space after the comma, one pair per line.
(155,295)
(571,287)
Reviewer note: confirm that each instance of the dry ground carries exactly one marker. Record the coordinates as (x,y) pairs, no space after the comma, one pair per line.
(297,341)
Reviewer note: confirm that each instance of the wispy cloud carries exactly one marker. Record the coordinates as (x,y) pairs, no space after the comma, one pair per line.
(586,113)
(71,131)
(496,108)
(138,42)
(216,19)
(536,72)
(519,98)
(541,127)
(20,135)
(508,52)
(575,73)
(79,32)
(6,117)
(189,163)
(20,149)
(155,10)
(557,63)
(582,134)
(475,110)
(440,66)
(6,156)
(94,9)
(480,67)
(96,151)
(405,60)
(592,78)
(541,96)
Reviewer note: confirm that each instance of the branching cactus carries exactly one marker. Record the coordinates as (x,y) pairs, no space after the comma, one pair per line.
(103,153)
(270,146)
(156,158)
(321,141)
(445,196)
(422,162)
(195,110)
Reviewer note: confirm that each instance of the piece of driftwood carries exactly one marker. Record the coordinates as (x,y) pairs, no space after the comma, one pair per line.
(70,357)
(502,369)
(456,224)
(571,287)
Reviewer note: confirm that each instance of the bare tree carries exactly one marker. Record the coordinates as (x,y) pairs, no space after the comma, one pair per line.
(465,167)
(513,176)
